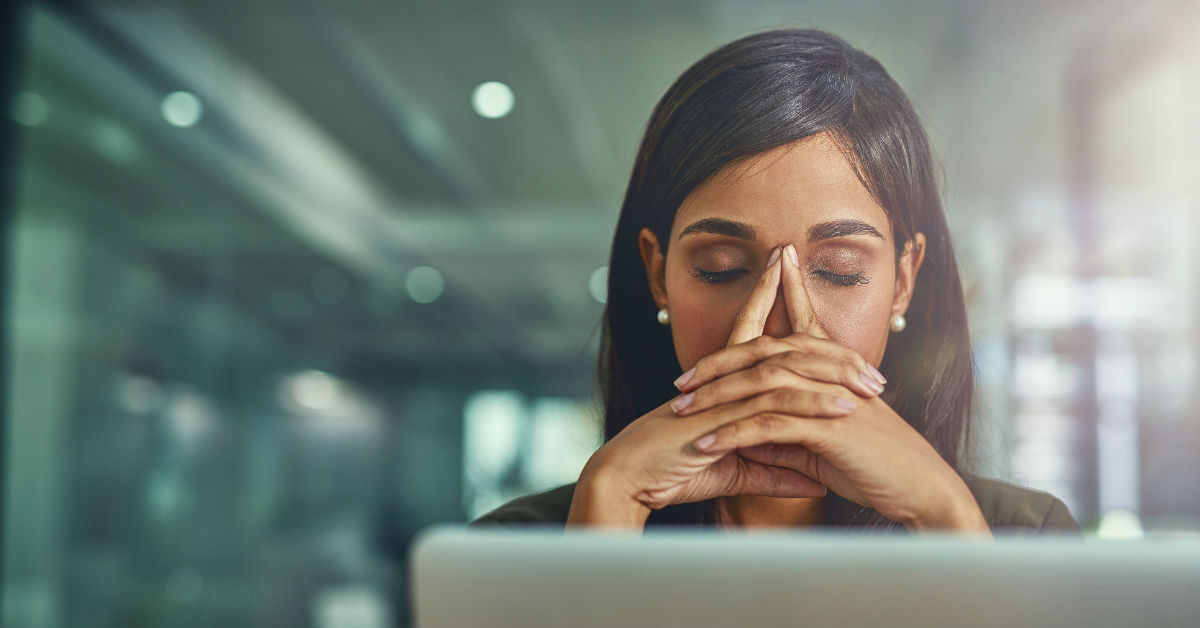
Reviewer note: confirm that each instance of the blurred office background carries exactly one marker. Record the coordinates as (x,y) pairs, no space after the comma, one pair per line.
(288,281)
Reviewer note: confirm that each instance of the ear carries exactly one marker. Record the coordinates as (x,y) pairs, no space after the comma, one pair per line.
(656,265)
(906,272)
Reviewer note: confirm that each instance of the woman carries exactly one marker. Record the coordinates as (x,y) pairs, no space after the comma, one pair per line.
(782,243)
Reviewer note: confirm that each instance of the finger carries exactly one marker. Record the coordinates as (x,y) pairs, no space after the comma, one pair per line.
(752,318)
(731,359)
(747,354)
(764,428)
(788,456)
(843,368)
(794,369)
(799,307)
(823,346)
(782,403)
(775,481)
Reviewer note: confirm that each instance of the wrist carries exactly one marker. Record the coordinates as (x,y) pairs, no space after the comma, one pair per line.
(601,499)
(955,510)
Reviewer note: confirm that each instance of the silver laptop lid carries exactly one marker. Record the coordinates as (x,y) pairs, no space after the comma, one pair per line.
(501,578)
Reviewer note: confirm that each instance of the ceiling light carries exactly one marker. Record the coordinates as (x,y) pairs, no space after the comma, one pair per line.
(424,284)
(182,109)
(29,109)
(492,99)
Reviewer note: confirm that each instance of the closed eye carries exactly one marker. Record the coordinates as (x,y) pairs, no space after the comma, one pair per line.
(718,276)
(857,279)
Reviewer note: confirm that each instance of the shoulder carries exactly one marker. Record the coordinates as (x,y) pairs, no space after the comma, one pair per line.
(1006,507)
(549,507)
(1011,508)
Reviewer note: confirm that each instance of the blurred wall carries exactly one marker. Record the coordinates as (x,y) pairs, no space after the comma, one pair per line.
(290,281)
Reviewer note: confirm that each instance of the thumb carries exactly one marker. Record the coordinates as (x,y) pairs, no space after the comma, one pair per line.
(772,481)
(793,457)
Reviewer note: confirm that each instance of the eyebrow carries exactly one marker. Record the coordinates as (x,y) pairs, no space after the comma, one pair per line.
(841,228)
(823,231)
(719,226)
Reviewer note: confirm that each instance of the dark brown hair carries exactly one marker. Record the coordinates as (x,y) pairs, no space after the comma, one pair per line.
(750,96)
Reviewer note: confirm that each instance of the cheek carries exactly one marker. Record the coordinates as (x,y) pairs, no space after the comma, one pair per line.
(856,318)
(701,318)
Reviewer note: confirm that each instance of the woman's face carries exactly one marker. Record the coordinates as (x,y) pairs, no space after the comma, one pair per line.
(805,194)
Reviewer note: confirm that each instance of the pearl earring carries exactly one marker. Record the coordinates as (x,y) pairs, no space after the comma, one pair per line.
(898,323)
(664,317)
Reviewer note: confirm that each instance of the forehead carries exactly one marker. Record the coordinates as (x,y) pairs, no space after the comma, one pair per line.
(784,191)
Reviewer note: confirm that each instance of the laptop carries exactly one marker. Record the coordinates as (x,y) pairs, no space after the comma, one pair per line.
(543,577)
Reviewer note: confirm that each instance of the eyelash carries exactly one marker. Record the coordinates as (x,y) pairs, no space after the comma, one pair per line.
(857,279)
(726,276)
(718,276)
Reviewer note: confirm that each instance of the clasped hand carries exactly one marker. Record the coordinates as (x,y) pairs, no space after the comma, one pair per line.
(781,417)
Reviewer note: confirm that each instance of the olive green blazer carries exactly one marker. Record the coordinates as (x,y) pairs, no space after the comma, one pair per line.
(1006,507)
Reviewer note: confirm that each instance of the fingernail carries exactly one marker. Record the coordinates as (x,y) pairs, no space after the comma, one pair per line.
(879,376)
(774,256)
(682,380)
(846,403)
(870,382)
(704,441)
(682,403)
(791,250)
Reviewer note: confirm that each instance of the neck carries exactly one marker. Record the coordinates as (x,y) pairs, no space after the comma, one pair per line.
(757,511)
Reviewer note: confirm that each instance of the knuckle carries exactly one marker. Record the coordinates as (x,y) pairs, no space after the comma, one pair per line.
(707,365)
(794,356)
(850,356)
(784,397)
(801,339)
(707,395)
(731,433)
(768,423)
(854,363)
(766,345)
(805,362)
(838,424)
(820,404)
(826,347)
(826,404)
(804,345)
(763,373)
(755,375)
(775,372)
(858,361)
(852,374)
(790,358)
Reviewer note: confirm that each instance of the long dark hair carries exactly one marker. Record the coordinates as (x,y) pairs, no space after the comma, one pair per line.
(752,95)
